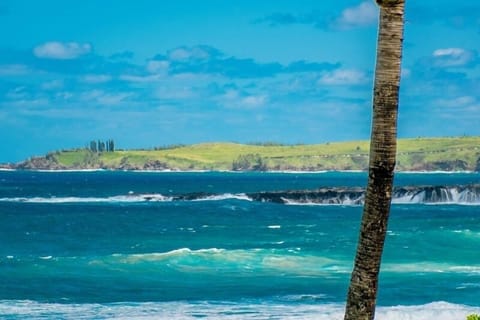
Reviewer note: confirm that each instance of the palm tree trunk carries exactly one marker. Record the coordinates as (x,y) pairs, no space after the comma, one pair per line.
(362,293)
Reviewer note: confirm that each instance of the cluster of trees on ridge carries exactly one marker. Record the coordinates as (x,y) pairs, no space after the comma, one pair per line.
(101,146)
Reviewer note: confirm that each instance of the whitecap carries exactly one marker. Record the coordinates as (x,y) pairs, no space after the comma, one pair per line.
(430,267)
(225,196)
(111,199)
(282,308)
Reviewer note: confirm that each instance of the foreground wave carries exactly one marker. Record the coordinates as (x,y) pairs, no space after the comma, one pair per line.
(212,261)
(296,307)
(234,263)
(466,195)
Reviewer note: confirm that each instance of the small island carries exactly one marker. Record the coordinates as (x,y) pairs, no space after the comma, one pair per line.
(418,154)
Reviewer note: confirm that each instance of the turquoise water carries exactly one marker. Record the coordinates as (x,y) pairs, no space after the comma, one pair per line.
(115,245)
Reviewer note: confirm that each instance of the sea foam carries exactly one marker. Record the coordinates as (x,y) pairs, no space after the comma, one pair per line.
(429,195)
(258,310)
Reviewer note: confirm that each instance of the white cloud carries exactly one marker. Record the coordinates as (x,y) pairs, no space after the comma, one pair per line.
(113,99)
(343,77)
(448,52)
(184,53)
(62,50)
(458,102)
(96,78)
(179,54)
(254,101)
(158,66)
(452,57)
(231,95)
(183,78)
(462,107)
(235,99)
(101,97)
(364,14)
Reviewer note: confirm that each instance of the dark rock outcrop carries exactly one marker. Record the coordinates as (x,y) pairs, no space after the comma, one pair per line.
(319,196)
(40,163)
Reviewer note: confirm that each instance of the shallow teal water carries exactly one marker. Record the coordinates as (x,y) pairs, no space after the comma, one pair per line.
(81,241)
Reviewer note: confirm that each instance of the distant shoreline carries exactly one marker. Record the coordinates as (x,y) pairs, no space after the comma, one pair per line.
(226,171)
(460,154)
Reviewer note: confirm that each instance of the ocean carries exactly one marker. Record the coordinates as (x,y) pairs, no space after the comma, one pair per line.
(218,245)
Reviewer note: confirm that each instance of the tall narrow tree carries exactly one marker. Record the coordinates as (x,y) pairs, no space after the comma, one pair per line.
(112,146)
(93,146)
(362,293)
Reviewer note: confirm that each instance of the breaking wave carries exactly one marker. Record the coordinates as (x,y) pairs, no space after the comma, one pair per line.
(27,309)
(122,198)
(211,261)
(462,195)
(236,262)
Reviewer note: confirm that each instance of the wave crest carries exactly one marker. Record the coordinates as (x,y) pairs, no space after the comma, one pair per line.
(27,309)
(462,195)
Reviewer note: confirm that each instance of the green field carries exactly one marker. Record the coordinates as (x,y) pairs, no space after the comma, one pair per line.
(447,154)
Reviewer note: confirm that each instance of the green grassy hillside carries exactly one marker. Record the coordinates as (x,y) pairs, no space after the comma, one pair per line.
(449,154)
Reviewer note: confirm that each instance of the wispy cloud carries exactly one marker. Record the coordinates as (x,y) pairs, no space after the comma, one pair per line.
(62,50)
(200,52)
(362,15)
(454,57)
(209,60)
(462,103)
(178,63)
(344,77)
(458,109)
(158,66)
(365,14)
(74,60)
(235,98)
(254,101)
(104,98)
(191,79)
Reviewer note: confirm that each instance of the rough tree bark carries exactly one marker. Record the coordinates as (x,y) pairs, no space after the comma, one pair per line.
(362,292)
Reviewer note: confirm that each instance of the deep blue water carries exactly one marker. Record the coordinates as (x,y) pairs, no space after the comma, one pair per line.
(81,244)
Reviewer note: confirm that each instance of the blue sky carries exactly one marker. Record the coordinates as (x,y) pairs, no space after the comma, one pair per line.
(151,73)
